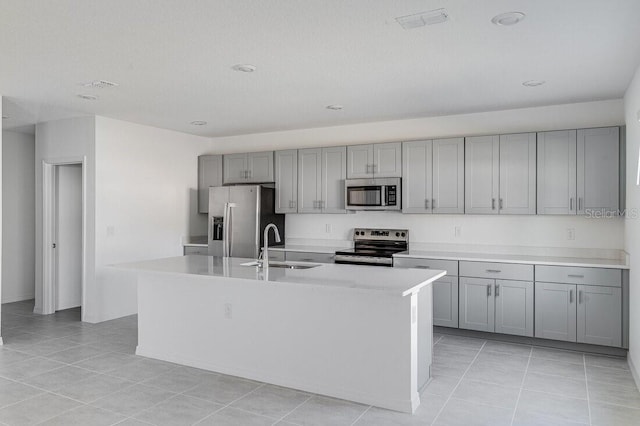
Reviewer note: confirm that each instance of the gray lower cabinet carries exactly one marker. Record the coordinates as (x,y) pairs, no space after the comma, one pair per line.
(286,179)
(585,306)
(197,250)
(209,174)
(445,290)
(305,256)
(499,298)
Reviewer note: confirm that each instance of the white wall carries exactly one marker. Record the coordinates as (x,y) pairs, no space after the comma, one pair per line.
(569,116)
(58,141)
(545,231)
(18,219)
(146,202)
(632,224)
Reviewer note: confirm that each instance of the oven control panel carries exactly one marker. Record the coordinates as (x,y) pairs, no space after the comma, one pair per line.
(381,234)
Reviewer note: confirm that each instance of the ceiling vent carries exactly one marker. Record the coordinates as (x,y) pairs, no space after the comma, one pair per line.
(101,84)
(432,17)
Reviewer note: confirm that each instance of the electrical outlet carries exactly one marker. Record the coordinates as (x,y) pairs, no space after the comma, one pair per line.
(228,311)
(457,231)
(327,228)
(571,234)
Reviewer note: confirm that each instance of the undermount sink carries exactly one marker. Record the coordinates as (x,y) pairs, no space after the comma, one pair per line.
(285,265)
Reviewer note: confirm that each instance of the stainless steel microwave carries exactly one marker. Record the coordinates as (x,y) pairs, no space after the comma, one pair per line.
(372,194)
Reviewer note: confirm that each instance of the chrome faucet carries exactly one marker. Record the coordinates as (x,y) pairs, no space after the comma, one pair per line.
(265,249)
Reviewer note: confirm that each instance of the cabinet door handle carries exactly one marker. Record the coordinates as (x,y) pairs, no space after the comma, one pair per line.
(249,174)
(433,203)
(571,204)
(579,203)
(570,296)
(493,204)
(500,203)
(575,276)
(426,204)
(580,296)
(368,168)
(488,290)
(321,202)
(497,290)
(493,271)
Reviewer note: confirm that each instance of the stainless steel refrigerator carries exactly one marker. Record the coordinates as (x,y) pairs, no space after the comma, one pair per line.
(237,218)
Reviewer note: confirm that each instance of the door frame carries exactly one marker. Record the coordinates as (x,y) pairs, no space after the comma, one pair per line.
(49,229)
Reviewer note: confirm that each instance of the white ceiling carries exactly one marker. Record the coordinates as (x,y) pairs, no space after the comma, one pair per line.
(173,59)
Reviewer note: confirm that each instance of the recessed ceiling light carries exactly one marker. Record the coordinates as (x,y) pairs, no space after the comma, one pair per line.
(417,20)
(507,19)
(533,83)
(87,97)
(100,84)
(335,107)
(198,123)
(244,68)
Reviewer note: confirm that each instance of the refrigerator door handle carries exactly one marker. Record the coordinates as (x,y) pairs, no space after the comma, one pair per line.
(229,227)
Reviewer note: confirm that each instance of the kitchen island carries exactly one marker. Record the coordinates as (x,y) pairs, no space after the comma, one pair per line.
(360,333)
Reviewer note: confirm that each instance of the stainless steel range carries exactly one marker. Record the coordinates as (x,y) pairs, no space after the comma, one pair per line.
(374,247)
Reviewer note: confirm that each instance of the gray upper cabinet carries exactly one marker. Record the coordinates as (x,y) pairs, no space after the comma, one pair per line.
(286,178)
(557,172)
(209,174)
(482,174)
(374,160)
(433,176)
(321,175)
(252,167)
(500,174)
(598,168)
(579,171)
(517,174)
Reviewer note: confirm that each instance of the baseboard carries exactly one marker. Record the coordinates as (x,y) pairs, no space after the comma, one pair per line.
(17,298)
(634,372)
(535,341)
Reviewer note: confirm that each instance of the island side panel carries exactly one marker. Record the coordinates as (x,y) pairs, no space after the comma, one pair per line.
(355,345)
(425,335)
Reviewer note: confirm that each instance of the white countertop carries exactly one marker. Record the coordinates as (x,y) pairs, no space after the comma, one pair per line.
(517,258)
(394,281)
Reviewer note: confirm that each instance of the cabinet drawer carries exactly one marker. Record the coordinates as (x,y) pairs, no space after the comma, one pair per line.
(301,256)
(451,266)
(204,251)
(577,275)
(276,255)
(502,271)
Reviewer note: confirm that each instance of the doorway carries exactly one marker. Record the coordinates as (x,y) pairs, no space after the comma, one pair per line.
(68,282)
(64,235)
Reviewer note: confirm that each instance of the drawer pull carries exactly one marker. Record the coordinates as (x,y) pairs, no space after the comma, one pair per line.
(575,276)
(422,267)
(493,271)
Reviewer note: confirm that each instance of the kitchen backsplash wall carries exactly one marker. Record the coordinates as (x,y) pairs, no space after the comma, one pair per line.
(530,231)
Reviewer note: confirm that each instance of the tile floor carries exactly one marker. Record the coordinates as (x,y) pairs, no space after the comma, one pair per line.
(55,370)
